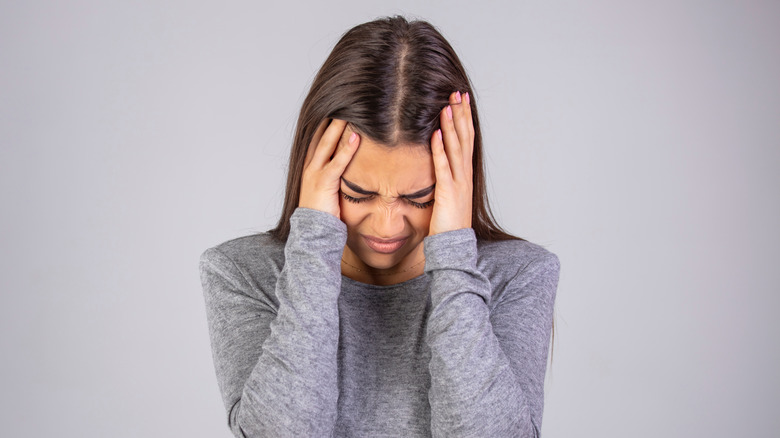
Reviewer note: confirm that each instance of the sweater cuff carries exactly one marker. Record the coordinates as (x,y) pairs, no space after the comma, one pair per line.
(455,249)
(315,232)
(316,224)
(451,261)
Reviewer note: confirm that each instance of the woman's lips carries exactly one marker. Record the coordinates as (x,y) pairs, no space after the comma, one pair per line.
(384,246)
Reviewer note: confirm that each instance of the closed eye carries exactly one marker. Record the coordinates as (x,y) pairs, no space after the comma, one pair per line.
(420,204)
(355,200)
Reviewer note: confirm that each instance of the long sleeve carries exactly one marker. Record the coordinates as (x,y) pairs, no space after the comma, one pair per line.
(277,366)
(488,359)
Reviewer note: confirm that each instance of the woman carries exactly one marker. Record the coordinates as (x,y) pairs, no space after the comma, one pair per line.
(386,302)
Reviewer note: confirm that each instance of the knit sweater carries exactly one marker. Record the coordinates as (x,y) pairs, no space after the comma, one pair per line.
(301,350)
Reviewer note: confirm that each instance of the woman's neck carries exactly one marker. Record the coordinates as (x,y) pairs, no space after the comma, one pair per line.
(411,267)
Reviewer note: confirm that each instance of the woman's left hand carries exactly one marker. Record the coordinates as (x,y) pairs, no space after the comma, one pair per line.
(452,147)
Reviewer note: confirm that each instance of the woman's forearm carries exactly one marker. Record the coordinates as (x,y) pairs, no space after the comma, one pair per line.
(292,388)
(476,389)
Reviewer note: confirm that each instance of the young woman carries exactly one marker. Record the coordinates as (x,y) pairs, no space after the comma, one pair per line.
(386,302)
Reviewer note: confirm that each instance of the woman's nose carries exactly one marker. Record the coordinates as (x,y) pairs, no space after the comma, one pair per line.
(388,220)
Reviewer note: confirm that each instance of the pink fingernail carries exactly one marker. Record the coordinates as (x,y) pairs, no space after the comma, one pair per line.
(457,96)
(468,99)
(353,137)
(449,112)
(438,132)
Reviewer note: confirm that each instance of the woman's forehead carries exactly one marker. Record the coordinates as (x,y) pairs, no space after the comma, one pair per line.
(390,170)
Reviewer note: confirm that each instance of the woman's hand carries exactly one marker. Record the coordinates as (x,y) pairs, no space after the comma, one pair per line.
(452,147)
(329,153)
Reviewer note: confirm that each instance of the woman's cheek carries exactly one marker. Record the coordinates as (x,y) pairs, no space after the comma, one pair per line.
(423,221)
(350,212)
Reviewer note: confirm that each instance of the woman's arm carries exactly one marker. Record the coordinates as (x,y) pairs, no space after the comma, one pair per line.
(292,388)
(487,369)
(277,370)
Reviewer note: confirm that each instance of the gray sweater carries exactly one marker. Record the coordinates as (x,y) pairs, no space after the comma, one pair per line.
(302,351)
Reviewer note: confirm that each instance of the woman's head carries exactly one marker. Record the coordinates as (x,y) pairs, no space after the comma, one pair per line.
(389,79)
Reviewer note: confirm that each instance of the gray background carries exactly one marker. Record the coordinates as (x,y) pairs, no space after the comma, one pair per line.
(640,141)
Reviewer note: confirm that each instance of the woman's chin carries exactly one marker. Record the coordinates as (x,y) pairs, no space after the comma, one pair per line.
(379,262)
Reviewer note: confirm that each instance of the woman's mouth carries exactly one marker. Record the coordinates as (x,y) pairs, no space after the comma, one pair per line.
(384,246)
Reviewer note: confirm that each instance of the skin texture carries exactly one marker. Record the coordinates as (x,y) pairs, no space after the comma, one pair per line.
(337,152)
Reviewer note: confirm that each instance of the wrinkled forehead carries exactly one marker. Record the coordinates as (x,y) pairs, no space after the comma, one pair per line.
(391,170)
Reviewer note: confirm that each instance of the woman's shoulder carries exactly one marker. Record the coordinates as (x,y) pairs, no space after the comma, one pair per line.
(255,258)
(514,252)
(250,246)
(515,262)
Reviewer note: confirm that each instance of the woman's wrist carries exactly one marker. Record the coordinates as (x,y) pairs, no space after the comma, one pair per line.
(310,224)
(450,249)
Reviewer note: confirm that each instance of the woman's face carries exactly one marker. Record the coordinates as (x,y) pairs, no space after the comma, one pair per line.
(386,202)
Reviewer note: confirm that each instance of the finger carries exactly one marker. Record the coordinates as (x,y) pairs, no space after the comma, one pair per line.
(463,102)
(441,165)
(467,99)
(328,142)
(470,118)
(452,145)
(314,141)
(464,126)
(344,154)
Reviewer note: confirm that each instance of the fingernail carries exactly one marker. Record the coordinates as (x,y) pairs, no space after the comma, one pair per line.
(457,96)
(468,99)
(353,137)
(449,112)
(438,132)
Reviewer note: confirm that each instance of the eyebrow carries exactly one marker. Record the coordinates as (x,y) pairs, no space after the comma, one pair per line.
(418,194)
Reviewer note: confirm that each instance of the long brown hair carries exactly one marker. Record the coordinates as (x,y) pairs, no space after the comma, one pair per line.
(389,79)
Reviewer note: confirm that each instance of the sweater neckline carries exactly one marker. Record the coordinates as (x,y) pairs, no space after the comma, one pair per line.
(380,288)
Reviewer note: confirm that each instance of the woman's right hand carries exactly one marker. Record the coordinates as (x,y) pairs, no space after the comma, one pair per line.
(329,153)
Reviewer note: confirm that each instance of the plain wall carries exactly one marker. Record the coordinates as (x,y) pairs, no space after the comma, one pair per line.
(639,141)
